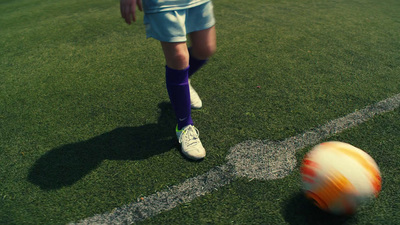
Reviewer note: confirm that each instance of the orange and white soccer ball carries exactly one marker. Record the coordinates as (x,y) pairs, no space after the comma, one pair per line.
(339,177)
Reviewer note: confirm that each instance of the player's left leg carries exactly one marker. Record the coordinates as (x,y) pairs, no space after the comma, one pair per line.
(201,28)
(203,47)
(204,43)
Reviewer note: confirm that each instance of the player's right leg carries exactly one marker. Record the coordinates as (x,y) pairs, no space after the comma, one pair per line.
(176,74)
(177,81)
(169,28)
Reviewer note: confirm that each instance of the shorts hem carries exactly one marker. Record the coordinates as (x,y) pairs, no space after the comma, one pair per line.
(205,27)
(172,39)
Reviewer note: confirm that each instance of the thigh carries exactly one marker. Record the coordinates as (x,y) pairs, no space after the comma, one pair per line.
(204,43)
(200,23)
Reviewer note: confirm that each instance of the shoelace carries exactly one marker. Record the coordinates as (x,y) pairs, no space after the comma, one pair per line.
(190,136)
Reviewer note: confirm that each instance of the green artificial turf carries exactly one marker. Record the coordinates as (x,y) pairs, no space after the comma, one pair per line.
(282,201)
(86,125)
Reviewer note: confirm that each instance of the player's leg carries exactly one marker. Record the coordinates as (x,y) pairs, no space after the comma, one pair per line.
(169,28)
(176,74)
(203,47)
(204,43)
(177,69)
(201,29)
(176,55)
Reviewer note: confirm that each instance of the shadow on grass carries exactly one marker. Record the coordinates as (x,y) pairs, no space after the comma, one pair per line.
(67,164)
(299,210)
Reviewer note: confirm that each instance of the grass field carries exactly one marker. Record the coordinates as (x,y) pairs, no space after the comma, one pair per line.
(86,125)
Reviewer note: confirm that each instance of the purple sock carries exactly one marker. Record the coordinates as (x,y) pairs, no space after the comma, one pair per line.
(195,64)
(179,95)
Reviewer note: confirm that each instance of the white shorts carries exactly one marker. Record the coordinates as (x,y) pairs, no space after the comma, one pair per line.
(173,26)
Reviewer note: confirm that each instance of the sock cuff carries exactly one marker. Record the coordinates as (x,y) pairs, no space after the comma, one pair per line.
(174,76)
(195,64)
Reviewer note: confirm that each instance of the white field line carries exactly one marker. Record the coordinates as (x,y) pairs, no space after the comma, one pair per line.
(253,159)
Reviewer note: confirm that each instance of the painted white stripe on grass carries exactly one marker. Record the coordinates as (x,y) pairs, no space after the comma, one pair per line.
(272,160)
(253,159)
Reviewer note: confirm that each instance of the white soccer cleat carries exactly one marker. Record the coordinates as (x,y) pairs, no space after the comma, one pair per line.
(195,101)
(191,145)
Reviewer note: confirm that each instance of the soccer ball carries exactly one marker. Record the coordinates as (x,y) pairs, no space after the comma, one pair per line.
(339,177)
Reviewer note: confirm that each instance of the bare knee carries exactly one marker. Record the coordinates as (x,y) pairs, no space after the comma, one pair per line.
(178,60)
(204,52)
(176,55)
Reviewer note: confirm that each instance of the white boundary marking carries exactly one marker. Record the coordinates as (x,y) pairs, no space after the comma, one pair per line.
(264,160)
